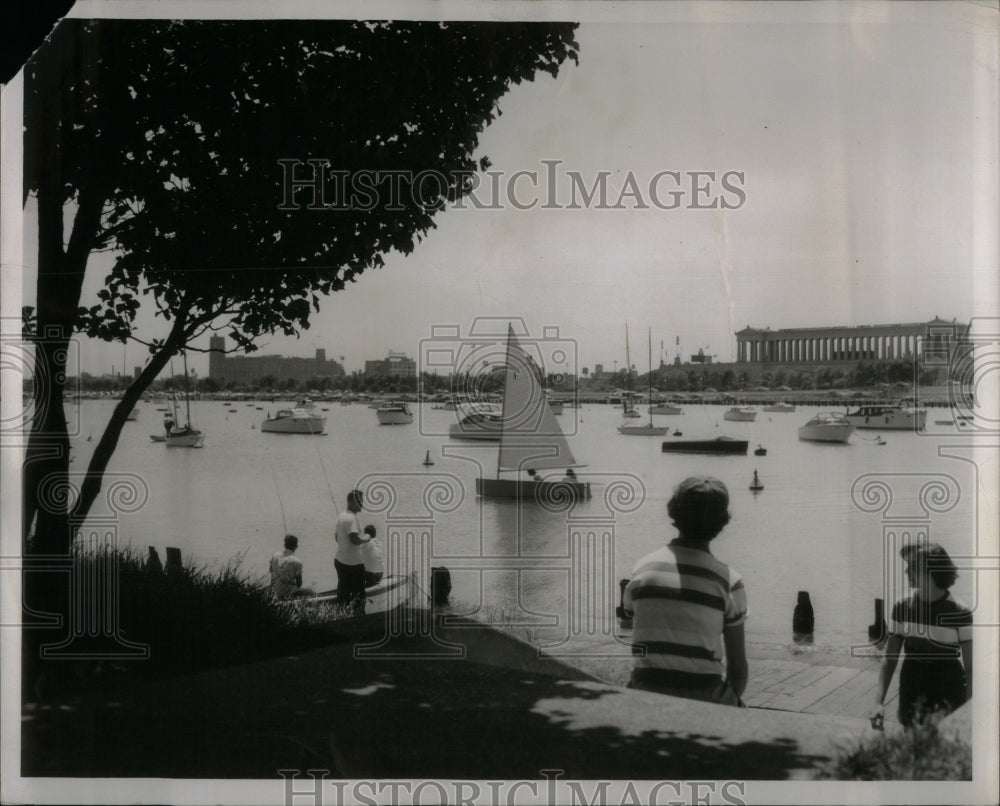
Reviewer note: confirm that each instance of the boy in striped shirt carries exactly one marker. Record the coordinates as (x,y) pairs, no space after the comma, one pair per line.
(688,607)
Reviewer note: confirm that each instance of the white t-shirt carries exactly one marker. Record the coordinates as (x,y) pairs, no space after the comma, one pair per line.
(347,552)
(286,570)
(374,559)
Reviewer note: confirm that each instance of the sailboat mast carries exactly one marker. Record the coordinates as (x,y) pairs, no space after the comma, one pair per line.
(503,402)
(628,372)
(187,391)
(649,339)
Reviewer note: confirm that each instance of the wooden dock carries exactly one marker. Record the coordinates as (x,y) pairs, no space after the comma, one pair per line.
(816,687)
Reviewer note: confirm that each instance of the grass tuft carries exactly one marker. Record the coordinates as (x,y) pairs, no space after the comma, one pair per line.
(920,753)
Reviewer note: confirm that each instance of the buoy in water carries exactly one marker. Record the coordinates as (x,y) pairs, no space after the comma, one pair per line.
(678,433)
(427,460)
(755,485)
(761,451)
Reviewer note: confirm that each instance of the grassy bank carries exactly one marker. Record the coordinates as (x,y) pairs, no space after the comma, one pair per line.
(184,620)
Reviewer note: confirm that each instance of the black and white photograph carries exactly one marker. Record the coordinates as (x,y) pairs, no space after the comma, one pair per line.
(500,402)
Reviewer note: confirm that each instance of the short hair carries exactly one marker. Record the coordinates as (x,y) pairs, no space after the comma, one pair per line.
(932,558)
(291,542)
(355,497)
(369,529)
(699,507)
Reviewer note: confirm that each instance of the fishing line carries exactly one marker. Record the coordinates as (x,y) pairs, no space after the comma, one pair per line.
(329,489)
(284,525)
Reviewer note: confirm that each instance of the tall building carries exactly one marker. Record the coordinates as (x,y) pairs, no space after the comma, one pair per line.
(934,343)
(394,365)
(247,369)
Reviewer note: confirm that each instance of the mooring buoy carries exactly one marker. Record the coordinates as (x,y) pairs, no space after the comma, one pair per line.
(427,460)
(761,451)
(755,485)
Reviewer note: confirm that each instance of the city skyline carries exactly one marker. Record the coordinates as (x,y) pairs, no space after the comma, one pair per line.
(853,190)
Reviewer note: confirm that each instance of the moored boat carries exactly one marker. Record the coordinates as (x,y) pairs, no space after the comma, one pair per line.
(648,430)
(780,406)
(530,438)
(665,408)
(725,445)
(741,414)
(887,417)
(826,427)
(294,421)
(395,413)
(391,592)
(480,421)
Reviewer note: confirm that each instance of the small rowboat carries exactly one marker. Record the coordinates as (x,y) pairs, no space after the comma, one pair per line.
(391,592)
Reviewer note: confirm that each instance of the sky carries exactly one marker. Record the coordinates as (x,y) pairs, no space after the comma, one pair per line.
(861,138)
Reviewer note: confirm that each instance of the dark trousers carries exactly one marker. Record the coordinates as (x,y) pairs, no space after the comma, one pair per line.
(351,585)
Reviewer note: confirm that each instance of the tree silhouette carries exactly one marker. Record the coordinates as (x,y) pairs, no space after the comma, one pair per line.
(163,142)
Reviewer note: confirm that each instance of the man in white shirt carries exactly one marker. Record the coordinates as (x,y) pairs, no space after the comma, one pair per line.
(286,571)
(349,561)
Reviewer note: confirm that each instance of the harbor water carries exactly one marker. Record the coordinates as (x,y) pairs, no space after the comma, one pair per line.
(821,524)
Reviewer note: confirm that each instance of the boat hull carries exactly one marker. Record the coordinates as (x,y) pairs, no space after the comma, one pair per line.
(826,433)
(723,445)
(295,425)
(890,421)
(784,407)
(643,430)
(391,592)
(394,418)
(665,410)
(186,439)
(527,490)
(740,416)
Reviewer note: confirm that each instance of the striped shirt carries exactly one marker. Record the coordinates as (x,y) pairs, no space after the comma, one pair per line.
(682,599)
(931,630)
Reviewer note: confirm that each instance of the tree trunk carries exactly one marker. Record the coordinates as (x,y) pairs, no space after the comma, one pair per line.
(109,439)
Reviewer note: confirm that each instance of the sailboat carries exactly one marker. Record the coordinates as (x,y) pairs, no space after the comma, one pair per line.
(629,410)
(530,438)
(186,435)
(645,430)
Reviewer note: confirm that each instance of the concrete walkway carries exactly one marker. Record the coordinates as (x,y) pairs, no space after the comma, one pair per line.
(408,710)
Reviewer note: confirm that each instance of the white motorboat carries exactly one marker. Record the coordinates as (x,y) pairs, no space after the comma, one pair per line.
(294,421)
(887,417)
(741,414)
(395,413)
(665,408)
(780,406)
(827,427)
(480,421)
(556,406)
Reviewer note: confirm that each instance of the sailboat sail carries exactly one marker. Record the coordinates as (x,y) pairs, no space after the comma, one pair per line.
(531,436)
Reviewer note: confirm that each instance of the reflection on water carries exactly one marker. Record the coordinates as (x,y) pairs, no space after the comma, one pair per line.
(245,489)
